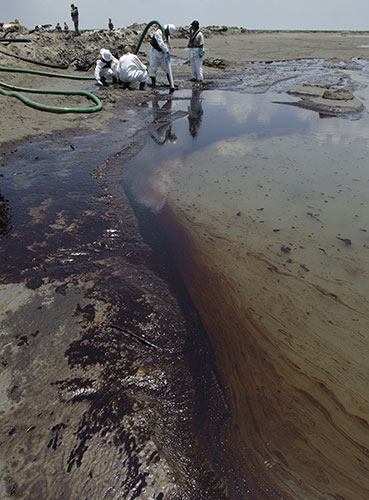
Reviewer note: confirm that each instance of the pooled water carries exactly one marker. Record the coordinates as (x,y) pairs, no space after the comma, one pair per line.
(266,208)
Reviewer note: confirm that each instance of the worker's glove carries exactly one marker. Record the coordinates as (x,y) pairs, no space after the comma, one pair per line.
(201,52)
(100,83)
(167,57)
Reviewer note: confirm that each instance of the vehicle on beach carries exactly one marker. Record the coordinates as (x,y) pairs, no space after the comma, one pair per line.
(10,25)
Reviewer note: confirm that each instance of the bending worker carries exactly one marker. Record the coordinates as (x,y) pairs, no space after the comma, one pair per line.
(106,67)
(196,52)
(131,69)
(159,52)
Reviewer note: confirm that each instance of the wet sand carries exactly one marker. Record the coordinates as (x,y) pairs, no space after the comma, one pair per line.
(56,393)
(97,399)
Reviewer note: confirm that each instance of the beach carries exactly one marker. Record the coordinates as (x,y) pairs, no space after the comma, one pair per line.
(108,352)
(233,48)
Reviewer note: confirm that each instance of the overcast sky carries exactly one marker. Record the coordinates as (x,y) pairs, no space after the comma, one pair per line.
(263,14)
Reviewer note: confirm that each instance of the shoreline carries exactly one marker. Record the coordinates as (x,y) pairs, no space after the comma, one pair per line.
(81,252)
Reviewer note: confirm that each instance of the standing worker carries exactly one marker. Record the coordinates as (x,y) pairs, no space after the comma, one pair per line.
(131,69)
(105,67)
(75,17)
(110,24)
(196,52)
(159,53)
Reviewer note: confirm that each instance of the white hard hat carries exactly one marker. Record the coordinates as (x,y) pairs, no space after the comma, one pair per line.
(106,55)
(171,28)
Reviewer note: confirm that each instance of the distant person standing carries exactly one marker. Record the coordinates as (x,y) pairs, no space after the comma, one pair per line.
(110,25)
(75,18)
(196,52)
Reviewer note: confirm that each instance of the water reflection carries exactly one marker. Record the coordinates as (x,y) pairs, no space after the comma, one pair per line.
(162,116)
(4,216)
(195,112)
(222,117)
(267,214)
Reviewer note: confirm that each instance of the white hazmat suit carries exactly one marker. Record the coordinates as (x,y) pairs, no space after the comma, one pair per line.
(106,67)
(159,50)
(131,69)
(195,45)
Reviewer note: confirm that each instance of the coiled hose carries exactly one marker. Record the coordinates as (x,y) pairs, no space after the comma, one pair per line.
(15,92)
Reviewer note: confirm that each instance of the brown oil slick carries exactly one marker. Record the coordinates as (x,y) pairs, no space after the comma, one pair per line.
(297,411)
(284,300)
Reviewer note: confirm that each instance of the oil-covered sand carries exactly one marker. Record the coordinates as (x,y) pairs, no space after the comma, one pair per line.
(104,359)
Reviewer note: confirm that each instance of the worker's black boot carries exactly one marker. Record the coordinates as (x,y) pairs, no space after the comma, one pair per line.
(115,79)
(171,89)
(103,80)
(142,85)
(153,82)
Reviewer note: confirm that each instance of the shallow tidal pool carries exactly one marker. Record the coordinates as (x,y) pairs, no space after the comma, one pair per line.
(266,208)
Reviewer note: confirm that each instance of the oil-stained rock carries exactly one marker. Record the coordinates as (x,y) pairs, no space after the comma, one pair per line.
(325,100)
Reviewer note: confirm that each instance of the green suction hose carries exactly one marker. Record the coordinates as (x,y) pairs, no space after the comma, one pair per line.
(54,109)
(144,34)
(14,92)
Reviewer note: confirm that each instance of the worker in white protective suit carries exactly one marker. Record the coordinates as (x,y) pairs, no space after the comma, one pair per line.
(131,69)
(196,51)
(159,53)
(106,67)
